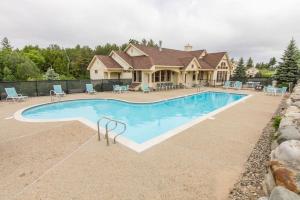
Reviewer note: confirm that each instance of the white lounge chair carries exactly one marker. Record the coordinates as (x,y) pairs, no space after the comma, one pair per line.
(12,94)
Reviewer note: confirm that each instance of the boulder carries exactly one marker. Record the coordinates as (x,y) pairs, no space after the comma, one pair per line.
(297,104)
(288,133)
(292,111)
(287,121)
(268,182)
(280,193)
(263,198)
(288,152)
(295,97)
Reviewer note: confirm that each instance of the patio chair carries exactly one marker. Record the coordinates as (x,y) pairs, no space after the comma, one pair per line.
(281,91)
(124,88)
(270,90)
(145,87)
(13,95)
(58,90)
(237,85)
(226,85)
(116,88)
(90,89)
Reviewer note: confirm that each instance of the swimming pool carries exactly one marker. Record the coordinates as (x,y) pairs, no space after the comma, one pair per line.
(147,123)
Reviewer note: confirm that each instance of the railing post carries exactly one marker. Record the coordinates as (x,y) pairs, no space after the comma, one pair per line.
(36,88)
(67,87)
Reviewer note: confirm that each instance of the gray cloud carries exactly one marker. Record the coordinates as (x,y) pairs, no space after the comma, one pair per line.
(257,28)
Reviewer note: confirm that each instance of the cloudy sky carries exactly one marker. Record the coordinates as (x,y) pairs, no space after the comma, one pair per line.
(256,28)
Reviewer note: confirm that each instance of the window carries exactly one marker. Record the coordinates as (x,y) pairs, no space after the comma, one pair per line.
(194,76)
(137,76)
(168,75)
(221,76)
(223,66)
(192,66)
(157,76)
(96,71)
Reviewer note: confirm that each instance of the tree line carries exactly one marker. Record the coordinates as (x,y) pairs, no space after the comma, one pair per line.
(53,62)
(285,71)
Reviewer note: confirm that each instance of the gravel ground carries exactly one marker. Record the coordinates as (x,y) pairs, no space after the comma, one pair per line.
(249,185)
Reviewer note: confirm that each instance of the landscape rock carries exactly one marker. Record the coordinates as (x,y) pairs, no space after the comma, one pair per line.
(287,121)
(285,175)
(280,193)
(263,198)
(295,97)
(292,111)
(269,182)
(288,133)
(297,104)
(288,152)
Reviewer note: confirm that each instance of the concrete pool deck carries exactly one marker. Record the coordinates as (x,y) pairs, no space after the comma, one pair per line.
(64,160)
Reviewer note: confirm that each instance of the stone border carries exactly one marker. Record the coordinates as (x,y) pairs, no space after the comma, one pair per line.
(250,184)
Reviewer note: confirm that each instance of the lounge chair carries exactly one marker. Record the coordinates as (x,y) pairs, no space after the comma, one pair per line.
(90,89)
(145,87)
(237,85)
(117,88)
(12,94)
(124,88)
(270,90)
(226,85)
(58,90)
(283,90)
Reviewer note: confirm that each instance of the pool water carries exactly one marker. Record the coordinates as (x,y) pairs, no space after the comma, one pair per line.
(144,121)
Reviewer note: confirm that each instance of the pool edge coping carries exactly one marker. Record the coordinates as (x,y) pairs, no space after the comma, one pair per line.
(124,141)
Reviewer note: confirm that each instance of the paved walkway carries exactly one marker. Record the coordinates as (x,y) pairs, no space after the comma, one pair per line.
(64,160)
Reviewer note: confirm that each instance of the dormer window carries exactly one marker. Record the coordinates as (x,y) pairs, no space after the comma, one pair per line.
(96,71)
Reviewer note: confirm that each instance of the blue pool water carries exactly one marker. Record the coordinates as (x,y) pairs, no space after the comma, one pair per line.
(144,120)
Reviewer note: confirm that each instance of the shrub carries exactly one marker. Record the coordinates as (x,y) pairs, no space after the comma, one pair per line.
(276,122)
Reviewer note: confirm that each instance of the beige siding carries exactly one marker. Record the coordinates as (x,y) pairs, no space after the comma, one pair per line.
(126,75)
(97,70)
(134,52)
(193,66)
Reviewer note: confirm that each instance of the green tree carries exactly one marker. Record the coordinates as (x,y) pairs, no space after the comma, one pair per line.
(272,62)
(51,75)
(240,71)
(249,63)
(35,55)
(287,70)
(6,44)
(27,70)
(8,75)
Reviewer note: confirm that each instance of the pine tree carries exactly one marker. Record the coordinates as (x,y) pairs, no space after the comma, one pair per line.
(272,62)
(240,71)
(6,44)
(288,69)
(249,63)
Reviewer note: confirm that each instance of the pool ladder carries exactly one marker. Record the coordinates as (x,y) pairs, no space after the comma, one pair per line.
(109,129)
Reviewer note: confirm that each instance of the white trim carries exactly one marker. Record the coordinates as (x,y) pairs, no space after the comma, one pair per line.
(121,139)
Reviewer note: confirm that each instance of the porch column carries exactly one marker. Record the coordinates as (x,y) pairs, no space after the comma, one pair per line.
(108,75)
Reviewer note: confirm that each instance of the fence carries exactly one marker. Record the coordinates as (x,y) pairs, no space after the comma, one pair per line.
(42,88)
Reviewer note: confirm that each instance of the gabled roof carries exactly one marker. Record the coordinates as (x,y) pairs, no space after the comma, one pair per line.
(213,59)
(109,62)
(164,57)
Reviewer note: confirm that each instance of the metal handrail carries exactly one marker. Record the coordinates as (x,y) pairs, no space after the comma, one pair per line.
(124,129)
(107,129)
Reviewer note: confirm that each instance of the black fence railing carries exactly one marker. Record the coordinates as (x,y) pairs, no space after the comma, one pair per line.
(42,88)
